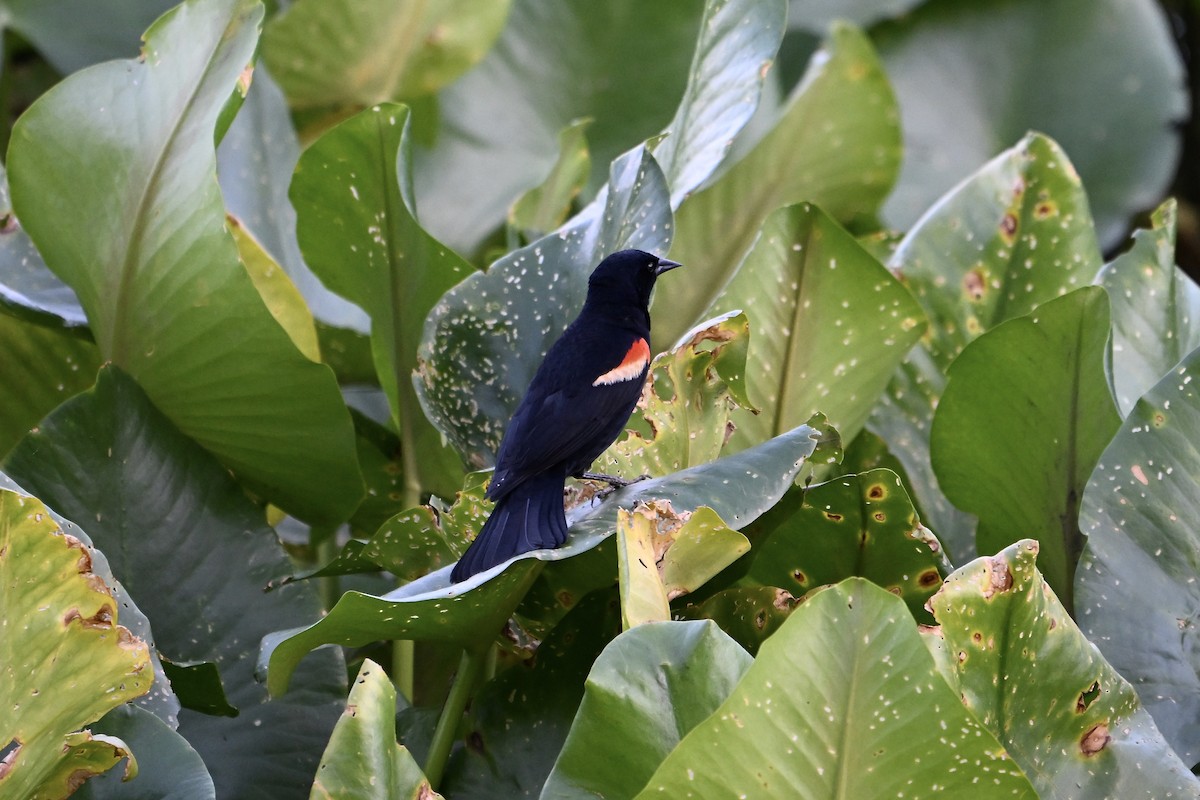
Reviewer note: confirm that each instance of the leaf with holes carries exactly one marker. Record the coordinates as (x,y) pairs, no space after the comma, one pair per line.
(1029,393)
(1136,583)
(1155,310)
(836,144)
(1009,648)
(862,525)
(358,232)
(64,659)
(843,701)
(831,325)
(750,615)
(143,243)
(682,418)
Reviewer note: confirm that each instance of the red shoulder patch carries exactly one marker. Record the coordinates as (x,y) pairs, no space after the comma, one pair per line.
(631,366)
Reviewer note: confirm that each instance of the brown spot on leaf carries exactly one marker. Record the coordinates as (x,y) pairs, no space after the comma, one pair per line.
(975,283)
(998,578)
(896,590)
(799,576)
(10,751)
(102,619)
(425,792)
(1044,210)
(977,637)
(876,492)
(929,578)
(1159,419)
(8,224)
(832,517)
(783,600)
(760,620)
(879,516)
(1008,227)
(1095,740)
(566,599)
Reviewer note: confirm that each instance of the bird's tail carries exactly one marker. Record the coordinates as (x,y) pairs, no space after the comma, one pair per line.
(530,517)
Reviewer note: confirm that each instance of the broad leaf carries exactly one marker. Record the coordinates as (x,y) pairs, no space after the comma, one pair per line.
(359,233)
(382,50)
(836,144)
(65,659)
(972,78)
(547,205)
(1015,234)
(363,760)
(73,34)
(1136,582)
(749,615)
(816,16)
(112,175)
(649,687)
(1012,652)
(1155,310)
(843,701)
(861,525)
(830,325)
(1024,419)
(195,554)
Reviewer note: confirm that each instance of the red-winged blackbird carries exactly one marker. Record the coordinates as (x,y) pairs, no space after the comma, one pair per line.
(576,406)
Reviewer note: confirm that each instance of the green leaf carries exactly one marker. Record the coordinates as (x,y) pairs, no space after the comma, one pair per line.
(28,289)
(836,144)
(1012,652)
(357,229)
(472,612)
(816,16)
(198,686)
(141,239)
(73,34)
(383,50)
(649,687)
(1103,78)
(1015,234)
(623,64)
(39,369)
(682,419)
(1024,419)
(1136,582)
(363,759)
(485,338)
(862,525)
(546,206)
(748,614)
(195,554)
(167,767)
(867,715)
(255,162)
(831,325)
(64,658)
(282,297)
(1155,309)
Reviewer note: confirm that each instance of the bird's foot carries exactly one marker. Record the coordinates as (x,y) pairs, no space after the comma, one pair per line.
(614,481)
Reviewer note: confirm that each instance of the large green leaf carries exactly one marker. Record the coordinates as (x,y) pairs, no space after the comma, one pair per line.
(625,65)
(39,368)
(843,701)
(1024,419)
(1137,586)
(356,54)
(836,144)
(359,233)
(547,205)
(817,15)
(860,525)
(112,175)
(1015,234)
(363,760)
(830,325)
(1155,310)
(64,658)
(255,162)
(472,612)
(486,337)
(73,34)
(649,687)
(195,554)
(1011,651)
(1103,78)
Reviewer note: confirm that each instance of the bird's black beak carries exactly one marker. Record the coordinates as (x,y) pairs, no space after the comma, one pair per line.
(665,265)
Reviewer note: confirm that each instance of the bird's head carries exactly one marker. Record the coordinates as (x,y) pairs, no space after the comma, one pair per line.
(627,276)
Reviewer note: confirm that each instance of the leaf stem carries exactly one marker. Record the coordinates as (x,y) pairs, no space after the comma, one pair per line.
(403,669)
(469,670)
(329,586)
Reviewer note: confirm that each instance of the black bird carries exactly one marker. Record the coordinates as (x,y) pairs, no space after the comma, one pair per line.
(576,406)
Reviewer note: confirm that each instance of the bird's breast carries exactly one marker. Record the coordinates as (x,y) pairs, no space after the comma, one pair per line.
(631,367)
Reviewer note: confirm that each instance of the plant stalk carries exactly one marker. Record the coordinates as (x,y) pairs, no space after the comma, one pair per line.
(469,670)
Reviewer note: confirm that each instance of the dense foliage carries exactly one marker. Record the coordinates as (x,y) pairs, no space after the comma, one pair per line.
(921,519)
